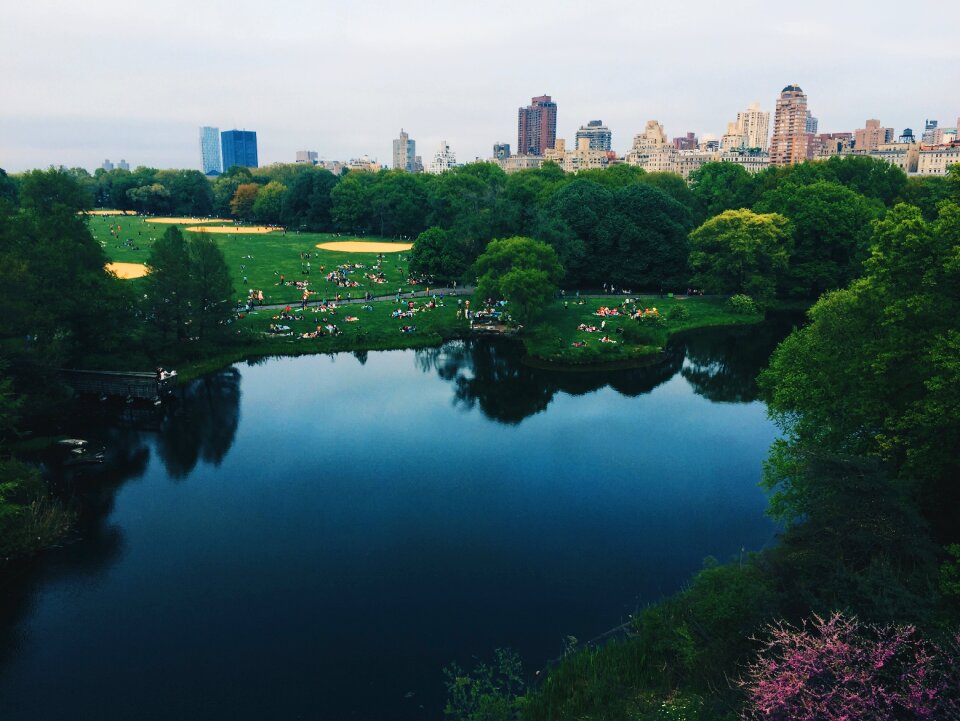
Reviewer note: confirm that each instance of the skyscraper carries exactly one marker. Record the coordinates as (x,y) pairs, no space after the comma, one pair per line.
(537,126)
(754,124)
(501,151)
(239,148)
(210,151)
(597,133)
(405,153)
(789,143)
(443,159)
(812,123)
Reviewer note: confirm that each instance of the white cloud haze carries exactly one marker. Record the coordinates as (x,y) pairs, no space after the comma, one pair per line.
(80,82)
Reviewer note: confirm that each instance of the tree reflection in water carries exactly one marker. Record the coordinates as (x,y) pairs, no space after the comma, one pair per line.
(720,364)
(201,424)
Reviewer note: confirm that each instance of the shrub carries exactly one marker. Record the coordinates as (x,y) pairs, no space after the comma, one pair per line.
(638,333)
(742,305)
(838,668)
(678,313)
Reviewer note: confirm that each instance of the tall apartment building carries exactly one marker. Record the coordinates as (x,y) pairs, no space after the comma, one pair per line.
(210,161)
(870,137)
(307,157)
(597,133)
(754,124)
(789,142)
(812,123)
(107,165)
(537,126)
(443,159)
(405,153)
(929,133)
(239,148)
(123,165)
(732,139)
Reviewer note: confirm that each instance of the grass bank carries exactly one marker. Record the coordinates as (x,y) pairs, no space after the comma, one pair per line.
(558,337)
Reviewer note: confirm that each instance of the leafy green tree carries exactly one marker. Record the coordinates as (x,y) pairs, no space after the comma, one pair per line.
(9,190)
(619,175)
(190,192)
(350,201)
(211,302)
(875,371)
(522,271)
(722,186)
(643,241)
(832,227)
(169,287)
(674,186)
(438,254)
(740,251)
(307,203)
(150,199)
(927,192)
(872,177)
(571,222)
(268,206)
(52,191)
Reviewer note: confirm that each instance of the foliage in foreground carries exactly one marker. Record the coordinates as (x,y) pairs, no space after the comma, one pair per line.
(836,668)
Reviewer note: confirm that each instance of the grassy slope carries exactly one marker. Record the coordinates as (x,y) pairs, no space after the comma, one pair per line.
(552,338)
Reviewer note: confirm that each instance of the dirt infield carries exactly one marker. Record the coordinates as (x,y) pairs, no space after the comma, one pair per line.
(361,246)
(186,221)
(235,229)
(126,271)
(111,212)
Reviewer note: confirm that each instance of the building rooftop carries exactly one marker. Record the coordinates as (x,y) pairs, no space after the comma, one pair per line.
(792,89)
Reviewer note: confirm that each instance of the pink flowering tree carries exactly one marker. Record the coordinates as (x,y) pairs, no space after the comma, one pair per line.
(837,669)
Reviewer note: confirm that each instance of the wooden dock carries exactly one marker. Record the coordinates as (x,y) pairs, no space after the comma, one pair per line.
(117,384)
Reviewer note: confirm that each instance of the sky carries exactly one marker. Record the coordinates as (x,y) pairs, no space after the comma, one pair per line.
(85,81)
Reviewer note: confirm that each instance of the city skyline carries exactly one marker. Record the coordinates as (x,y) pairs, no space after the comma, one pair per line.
(462,87)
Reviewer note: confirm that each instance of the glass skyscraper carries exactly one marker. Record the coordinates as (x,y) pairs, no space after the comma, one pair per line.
(239,148)
(210,151)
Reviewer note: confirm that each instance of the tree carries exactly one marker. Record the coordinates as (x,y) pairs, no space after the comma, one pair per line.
(54,190)
(439,255)
(836,668)
(169,286)
(874,373)
(268,206)
(244,198)
(307,202)
(832,227)
(211,302)
(740,251)
(722,186)
(190,192)
(9,191)
(150,199)
(522,271)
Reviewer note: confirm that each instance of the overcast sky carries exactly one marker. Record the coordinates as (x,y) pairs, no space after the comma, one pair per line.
(84,81)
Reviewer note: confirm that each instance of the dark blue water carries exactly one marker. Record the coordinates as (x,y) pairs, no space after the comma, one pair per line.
(317,537)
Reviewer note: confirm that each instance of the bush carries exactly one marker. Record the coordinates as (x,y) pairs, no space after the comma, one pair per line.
(742,305)
(641,333)
(836,667)
(678,313)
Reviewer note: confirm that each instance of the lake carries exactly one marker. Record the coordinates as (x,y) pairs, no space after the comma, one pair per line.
(317,537)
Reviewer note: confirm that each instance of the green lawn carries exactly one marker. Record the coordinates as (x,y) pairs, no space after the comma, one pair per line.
(262,258)
(272,254)
(553,335)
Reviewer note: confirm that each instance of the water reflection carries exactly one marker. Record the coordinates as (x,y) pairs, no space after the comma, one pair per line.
(201,424)
(720,364)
